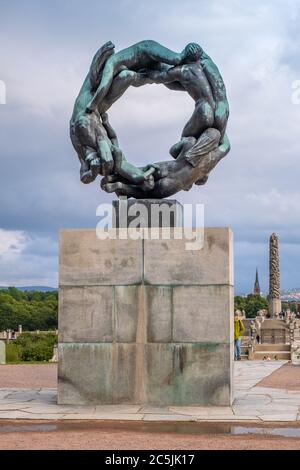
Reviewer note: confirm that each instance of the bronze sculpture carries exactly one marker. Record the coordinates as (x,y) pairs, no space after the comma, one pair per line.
(203,142)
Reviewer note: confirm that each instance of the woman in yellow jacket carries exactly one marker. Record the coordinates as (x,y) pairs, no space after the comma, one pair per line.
(239,329)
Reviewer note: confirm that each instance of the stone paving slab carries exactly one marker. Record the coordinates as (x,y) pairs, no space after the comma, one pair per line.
(200,410)
(234,419)
(251,403)
(249,373)
(169,417)
(279,417)
(107,416)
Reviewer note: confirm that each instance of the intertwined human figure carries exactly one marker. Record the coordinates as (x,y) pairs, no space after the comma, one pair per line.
(203,141)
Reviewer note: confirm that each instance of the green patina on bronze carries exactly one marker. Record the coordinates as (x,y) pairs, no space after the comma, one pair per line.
(203,140)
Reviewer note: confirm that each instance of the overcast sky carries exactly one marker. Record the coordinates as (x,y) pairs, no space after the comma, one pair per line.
(45,50)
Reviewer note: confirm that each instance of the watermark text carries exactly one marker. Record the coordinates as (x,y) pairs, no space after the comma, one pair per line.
(162,220)
(2,92)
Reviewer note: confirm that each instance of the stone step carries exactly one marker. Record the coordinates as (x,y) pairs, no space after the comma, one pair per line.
(284,355)
(272,347)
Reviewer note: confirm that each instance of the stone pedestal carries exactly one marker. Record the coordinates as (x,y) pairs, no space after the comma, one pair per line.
(2,352)
(145,321)
(274,307)
(147,213)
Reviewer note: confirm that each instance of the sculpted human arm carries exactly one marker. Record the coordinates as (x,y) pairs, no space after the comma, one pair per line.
(161,74)
(214,77)
(168,76)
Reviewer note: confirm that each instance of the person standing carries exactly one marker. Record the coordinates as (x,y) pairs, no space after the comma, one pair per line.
(239,329)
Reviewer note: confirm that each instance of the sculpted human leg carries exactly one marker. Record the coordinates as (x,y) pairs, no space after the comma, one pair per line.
(182,146)
(130,172)
(201,119)
(90,167)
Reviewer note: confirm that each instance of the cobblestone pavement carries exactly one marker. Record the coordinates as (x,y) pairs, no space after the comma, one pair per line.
(251,403)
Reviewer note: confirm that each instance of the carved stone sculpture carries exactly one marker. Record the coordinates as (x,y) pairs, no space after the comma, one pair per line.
(274,277)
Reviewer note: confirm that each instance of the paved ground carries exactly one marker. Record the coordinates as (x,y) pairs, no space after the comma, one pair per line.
(45,376)
(257,412)
(251,403)
(288,377)
(28,376)
(113,437)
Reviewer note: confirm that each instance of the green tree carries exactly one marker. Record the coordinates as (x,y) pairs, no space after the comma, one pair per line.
(251,304)
(33,312)
(240,303)
(32,347)
(16,293)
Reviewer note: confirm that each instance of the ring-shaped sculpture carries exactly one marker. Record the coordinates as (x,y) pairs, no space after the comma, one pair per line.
(203,141)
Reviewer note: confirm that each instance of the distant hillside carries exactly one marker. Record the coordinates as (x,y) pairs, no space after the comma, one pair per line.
(290,291)
(293,296)
(34,288)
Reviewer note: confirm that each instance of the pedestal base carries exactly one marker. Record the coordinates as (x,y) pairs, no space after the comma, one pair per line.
(147,213)
(274,307)
(145,321)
